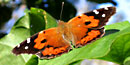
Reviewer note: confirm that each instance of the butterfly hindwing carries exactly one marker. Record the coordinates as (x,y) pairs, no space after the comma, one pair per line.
(90,36)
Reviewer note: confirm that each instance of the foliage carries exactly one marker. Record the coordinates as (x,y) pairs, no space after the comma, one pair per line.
(53,7)
(112,47)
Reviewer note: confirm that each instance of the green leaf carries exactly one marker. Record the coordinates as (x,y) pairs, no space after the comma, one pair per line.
(32,22)
(118,26)
(33,60)
(127,61)
(7,58)
(120,48)
(107,32)
(49,20)
(113,28)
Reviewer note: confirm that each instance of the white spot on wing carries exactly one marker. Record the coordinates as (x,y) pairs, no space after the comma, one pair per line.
(103,15)
(26,47)
(18,45)
(106,8)
(41,32)
(28,40)
(80,15)
(96,12)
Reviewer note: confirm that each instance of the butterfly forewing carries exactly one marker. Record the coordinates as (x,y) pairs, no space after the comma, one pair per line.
(102,15)
(93,19)
(26,46)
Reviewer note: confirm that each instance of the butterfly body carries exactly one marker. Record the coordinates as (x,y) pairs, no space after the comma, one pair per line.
(79,31)
(64,30)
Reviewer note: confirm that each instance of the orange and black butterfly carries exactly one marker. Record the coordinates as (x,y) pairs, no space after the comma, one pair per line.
(79,31)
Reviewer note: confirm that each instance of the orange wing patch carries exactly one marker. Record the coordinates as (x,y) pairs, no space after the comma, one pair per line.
(85,21)
(54,51)
(89,21)
(92,35)
(51,44)
(40,40)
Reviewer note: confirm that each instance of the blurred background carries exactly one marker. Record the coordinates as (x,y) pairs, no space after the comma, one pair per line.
(12,10)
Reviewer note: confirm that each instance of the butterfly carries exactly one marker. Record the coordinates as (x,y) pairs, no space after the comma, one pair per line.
(78,31)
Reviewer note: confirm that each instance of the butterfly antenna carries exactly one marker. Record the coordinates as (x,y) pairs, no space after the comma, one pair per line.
(61,10)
